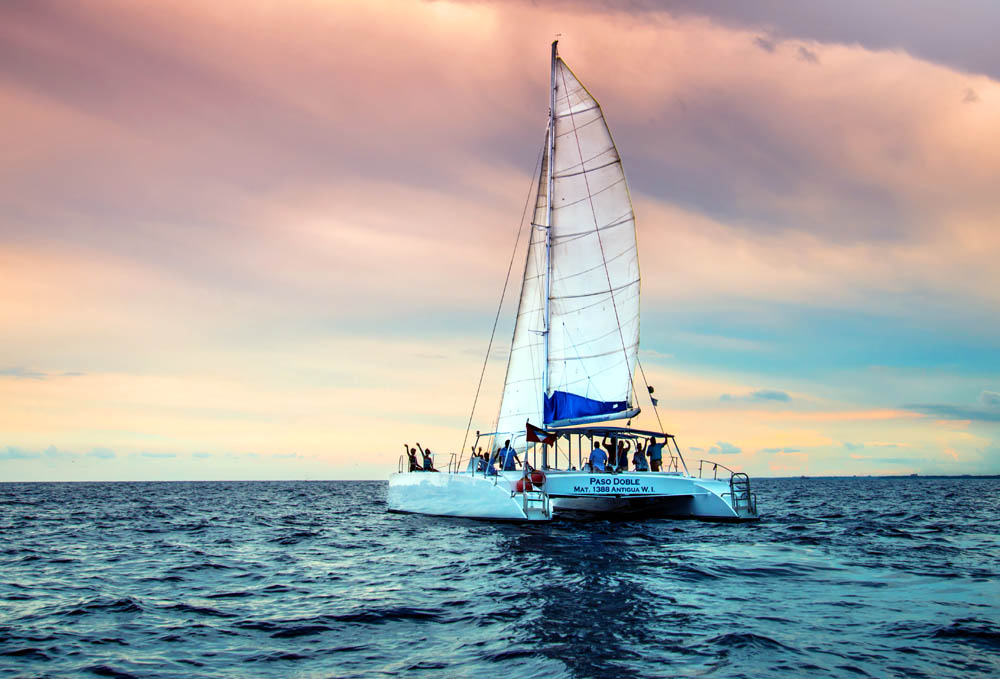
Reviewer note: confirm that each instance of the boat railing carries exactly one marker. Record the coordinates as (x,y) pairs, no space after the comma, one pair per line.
(715,467)
(743,501)
(453,463)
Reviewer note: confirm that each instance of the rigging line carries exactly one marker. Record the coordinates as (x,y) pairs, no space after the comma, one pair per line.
(593,211)
(496,319)
(648,393)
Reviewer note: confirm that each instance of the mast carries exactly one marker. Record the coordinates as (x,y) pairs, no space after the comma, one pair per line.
(548,214)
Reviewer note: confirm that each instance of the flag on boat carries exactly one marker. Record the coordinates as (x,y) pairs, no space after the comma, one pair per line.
(536,435)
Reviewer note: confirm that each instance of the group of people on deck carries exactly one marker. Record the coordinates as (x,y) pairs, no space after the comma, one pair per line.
(615,453)
(484,462)
(609,454)
(428,459)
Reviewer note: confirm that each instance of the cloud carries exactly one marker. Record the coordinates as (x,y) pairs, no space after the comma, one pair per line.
(54,453)
(887,460)
(23,374)
(201,456)
(16,453)
(765,44)
(805,54)
(947,411)
(157,455)
(987,411)
(723,448)
(102,453)
(781,450)
(970,96)
(990,398)
(962,37)
(853,446)
(759,395)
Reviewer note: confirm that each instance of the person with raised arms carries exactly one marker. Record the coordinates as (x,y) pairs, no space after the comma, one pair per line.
(428,459)
(412,454)
(639,458)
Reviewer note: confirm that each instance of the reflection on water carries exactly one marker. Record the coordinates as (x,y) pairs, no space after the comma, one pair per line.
(871,577)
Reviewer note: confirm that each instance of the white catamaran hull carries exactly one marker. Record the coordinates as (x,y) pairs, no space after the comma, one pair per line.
(565,494)
(473,497)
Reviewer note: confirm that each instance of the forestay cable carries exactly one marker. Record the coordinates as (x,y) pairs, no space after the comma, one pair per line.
(496,319)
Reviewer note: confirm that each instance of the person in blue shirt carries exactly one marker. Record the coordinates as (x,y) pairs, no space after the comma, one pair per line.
(508,457)
(428,459)
(598,458)
(488,462)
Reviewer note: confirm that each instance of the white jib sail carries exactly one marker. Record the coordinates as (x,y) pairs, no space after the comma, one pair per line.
(522,390)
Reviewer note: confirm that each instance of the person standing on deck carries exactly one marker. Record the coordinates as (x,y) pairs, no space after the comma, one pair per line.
(655,454)
(597,458)
(623,448)
(612,450)
(508,457)
(639,458)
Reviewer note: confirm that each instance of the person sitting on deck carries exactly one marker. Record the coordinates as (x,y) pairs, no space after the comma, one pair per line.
(597,458)
(639,458)
(655,450)
(412,454)
(508,457)
(428,459)
(491,459)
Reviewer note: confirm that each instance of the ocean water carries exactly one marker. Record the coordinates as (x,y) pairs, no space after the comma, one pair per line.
(842,577)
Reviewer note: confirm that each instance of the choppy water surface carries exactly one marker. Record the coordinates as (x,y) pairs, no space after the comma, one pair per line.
(870,577)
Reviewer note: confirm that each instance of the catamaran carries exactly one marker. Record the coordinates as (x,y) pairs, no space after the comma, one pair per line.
(572,362)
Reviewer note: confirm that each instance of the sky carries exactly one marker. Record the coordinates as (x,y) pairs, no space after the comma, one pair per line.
(266,240)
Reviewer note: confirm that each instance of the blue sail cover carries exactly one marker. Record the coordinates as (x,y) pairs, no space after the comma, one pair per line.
(565,406)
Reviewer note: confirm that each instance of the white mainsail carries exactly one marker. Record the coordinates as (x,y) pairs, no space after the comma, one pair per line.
(577,366)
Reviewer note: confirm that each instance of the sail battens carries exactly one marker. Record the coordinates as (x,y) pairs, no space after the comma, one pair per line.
(599,292)
(593,157)
(576,113)
(565,280)
(588,197)
(622,220)
(594,340)
(580,126)
(616,351)
(592,169)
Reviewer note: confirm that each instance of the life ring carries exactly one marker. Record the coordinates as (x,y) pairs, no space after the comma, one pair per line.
(534,478)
